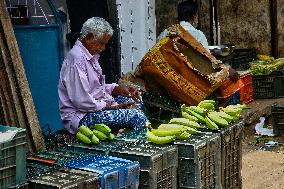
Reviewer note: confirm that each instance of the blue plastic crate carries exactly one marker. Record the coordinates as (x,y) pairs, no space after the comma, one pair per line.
(13,158)
(113,172)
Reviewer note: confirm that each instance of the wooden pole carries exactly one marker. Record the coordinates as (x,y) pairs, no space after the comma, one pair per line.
(20,109)
(274,28)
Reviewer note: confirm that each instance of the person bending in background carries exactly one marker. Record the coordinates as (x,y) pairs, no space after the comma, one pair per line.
(84,97)
(188,19)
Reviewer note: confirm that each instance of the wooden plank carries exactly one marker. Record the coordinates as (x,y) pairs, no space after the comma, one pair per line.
(24,114)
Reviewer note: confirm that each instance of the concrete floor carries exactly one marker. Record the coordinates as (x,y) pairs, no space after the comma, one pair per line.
(262,168)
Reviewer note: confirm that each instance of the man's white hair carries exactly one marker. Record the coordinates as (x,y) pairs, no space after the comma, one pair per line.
(96,26)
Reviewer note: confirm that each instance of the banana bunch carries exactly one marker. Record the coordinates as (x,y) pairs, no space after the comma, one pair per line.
(94,134)
(205,113)
(167,133)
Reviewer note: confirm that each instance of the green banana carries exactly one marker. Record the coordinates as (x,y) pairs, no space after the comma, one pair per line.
(198,110)
(217,119)
(101,127)
(167,132)
(95,139)
(231,111)
(185,122)
(236,117)
(210,101)
(86,131)
(206,105)
(177,126)
(187,116)
(183,136)
(198,116)
(81,137)
(159,140)
(111,136)
(224,115)
(100,135)
(211,124)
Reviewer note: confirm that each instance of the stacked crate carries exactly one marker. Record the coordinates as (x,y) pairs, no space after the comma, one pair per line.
(12,157)
(231,155)
(269,86)
(277,112)
(246,92)
(199,161)
(158,163)
(113,172)
(65,179)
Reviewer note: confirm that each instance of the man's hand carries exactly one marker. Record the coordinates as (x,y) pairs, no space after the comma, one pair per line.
(127,91)
(233,75)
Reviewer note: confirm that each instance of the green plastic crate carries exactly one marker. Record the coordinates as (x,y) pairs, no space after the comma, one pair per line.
(13,158)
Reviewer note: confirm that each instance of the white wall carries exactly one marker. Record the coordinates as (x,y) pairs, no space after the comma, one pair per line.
(137,24)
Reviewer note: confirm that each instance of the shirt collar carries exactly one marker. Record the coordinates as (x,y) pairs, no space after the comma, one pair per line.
(85,51)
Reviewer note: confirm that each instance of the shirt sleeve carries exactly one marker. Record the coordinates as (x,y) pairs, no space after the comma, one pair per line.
(109,87)
(78,89)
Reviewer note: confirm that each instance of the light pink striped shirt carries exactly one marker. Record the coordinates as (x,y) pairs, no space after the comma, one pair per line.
(82,87)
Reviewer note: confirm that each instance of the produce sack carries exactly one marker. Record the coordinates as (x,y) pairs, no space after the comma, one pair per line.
(181,66)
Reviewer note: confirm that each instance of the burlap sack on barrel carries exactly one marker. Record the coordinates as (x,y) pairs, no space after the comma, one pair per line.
(180,65)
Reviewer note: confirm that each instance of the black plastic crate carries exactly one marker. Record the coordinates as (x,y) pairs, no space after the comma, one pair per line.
(277,112)
(199,163)
(65,179)
(103,148)
(242,58)
(269,86)
(57,156)
(158,163)
(231,155)
(160,108)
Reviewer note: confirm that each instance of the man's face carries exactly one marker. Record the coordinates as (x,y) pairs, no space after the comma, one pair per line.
(95,45)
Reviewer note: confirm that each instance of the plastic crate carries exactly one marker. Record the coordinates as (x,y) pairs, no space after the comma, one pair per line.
(103,148)
(36,169)
(113,172)
(158,163)
(277,112)
(231,155)
(269,86)
(13,158)
(139,135)
(242,58)
(57,156)
(199,163)
(65,179)
(246,92)
(160,108)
